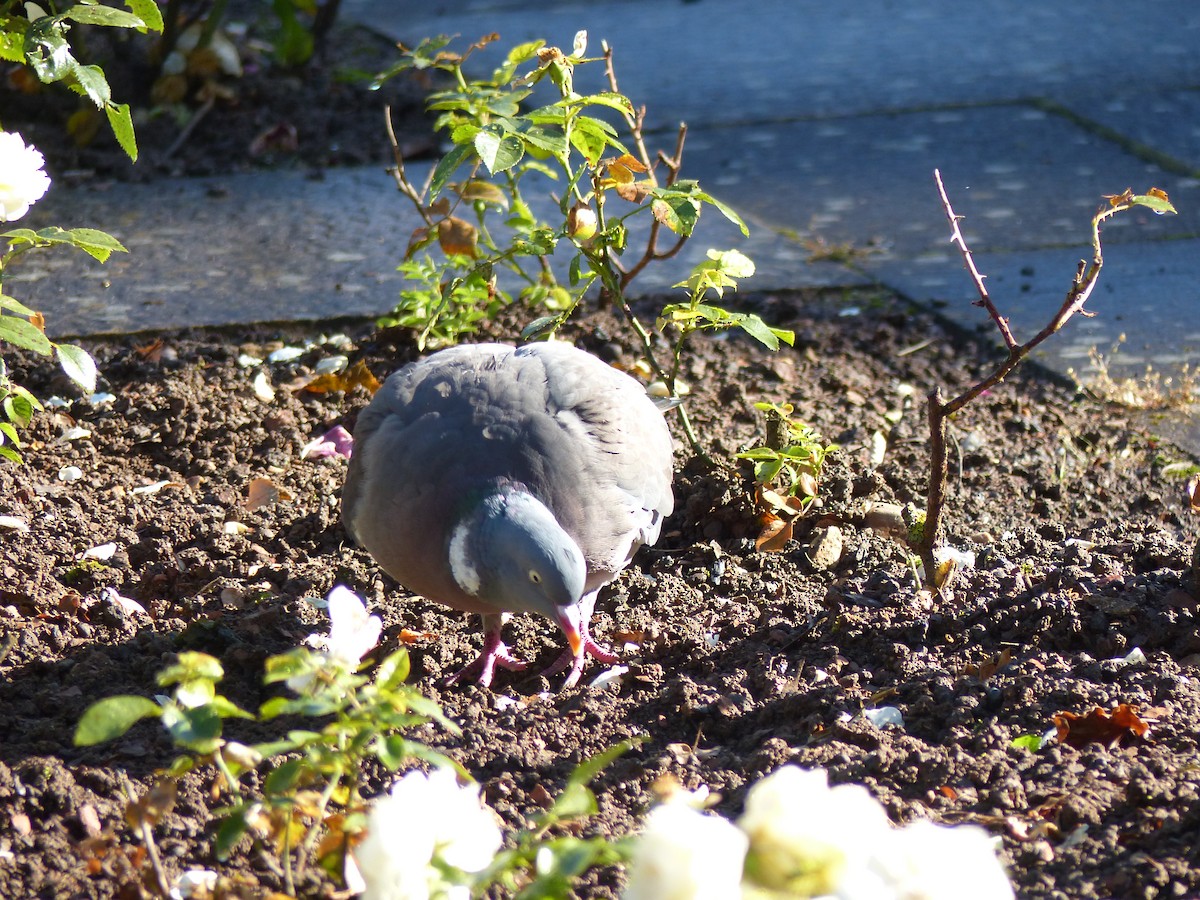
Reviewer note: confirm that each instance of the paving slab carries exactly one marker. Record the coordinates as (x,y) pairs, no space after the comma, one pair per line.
(818,122)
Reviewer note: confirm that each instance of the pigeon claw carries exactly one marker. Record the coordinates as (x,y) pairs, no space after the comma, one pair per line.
(481,669)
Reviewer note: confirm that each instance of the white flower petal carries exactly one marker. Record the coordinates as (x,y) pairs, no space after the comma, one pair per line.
(685,854)
(22,179)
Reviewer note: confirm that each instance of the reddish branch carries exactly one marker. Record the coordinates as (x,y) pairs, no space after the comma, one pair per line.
(1081,288)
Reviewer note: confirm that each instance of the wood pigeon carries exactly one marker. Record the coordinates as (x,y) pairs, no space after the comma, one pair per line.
(499,480)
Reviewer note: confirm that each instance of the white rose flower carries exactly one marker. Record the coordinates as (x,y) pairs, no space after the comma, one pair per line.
(684,854)
(925,861)
(352,634)
(22,181)
(804,835)
(425,817)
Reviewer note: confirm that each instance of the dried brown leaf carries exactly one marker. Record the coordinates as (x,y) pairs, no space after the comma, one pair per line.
(1100,726)
(775,534)
(457,236)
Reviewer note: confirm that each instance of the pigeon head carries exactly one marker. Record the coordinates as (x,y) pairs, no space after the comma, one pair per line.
(510,552)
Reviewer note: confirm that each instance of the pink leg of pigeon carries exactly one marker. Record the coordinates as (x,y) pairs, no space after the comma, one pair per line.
(587,647)
(493,654)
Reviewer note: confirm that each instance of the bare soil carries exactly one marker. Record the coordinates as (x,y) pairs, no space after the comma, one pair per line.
(745,660)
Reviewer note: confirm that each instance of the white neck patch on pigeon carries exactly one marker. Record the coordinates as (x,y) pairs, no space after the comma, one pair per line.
(465,574)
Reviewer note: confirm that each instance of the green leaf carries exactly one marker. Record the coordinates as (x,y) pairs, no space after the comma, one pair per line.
(18,409)
(229,833)
(112,717)
(447,166)
(1160,204)
(393,671)
(619,102)
(47,51)
(15,305)
(523,52)
(12,43)
(539,328)
(678,213)
(759,330)
(724,210)
(121,123)
(99,244)
(283,777)
(87,14)
(189,666)
(592,137)
(148,12)
(23,333)
(1031,742)
(499,151)
(79,366)
(91,81)
(197,729)
(10,454)
(593,765)
(8,434)
(575,802)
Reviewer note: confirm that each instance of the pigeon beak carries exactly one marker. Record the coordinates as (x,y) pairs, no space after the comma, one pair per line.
(568,621)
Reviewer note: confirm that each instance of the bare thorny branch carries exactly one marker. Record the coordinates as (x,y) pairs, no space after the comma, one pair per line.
(1082,284)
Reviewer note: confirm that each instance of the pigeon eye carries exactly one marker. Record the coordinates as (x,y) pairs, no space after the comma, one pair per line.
(535,576)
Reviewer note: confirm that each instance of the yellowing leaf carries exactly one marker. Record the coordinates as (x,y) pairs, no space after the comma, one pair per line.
(622,169)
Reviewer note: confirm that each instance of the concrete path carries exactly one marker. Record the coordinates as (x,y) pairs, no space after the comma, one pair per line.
(817,121)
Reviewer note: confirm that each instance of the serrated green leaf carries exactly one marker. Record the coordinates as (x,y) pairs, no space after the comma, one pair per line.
(498,151)
(121,123)
(12,44)
(612,100)
(47,51)
(148,12)
(79,366)
(112,717)
(1160,204)
(758,329)
(18,409)
(92,82)
(23,333)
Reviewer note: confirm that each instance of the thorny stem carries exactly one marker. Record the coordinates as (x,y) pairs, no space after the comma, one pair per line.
(402,182)
(1082,285)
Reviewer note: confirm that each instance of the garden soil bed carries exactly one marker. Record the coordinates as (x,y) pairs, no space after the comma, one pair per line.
(744,660)
(739,660)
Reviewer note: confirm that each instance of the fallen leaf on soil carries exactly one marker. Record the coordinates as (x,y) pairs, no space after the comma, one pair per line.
(262,387)
(1108,727)
(989,667)
(264,492)
(151,352)
(358,375)
(775,534)
(408,636)
(13,523)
